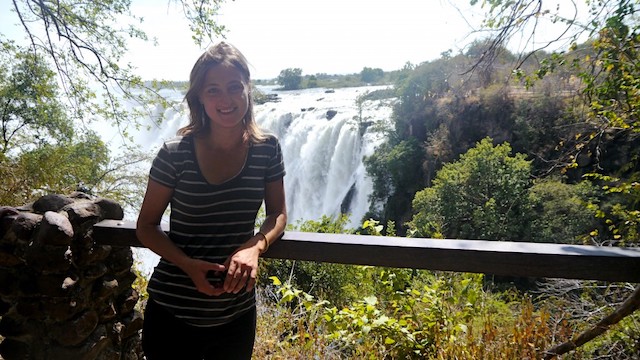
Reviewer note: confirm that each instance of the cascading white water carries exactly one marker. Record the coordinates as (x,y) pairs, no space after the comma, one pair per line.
(323,157)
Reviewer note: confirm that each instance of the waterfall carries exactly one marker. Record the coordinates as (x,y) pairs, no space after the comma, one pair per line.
(322,153)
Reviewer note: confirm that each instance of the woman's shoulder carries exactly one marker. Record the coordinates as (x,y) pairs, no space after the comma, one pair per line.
(269,140)
(178,143)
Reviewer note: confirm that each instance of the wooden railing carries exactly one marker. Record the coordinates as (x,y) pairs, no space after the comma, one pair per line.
(475,256)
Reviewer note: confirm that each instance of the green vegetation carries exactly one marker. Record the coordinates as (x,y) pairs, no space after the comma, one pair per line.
(294,79)
(290,79)
(406,314)
(43,150)
(481,196)
(487,144)
(68,75)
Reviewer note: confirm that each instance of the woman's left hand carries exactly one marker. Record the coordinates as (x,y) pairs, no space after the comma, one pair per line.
(242,270)
(242,265)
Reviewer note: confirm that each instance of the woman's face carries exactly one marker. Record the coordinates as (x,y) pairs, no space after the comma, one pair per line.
(225,96)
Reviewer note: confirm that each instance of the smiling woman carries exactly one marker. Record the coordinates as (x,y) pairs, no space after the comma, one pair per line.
(216,175)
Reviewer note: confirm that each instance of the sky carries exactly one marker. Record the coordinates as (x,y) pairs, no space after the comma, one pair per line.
(317,36)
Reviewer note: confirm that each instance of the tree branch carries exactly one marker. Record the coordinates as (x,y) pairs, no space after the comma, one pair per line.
(627,308)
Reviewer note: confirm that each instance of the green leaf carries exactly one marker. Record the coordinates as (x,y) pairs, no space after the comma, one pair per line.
(371,300)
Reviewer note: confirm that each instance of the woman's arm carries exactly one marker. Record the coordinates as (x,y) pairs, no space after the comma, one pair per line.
(243,264)
(276,210)
(150,234)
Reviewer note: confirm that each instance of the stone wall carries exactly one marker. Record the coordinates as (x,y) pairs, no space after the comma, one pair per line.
(61,295)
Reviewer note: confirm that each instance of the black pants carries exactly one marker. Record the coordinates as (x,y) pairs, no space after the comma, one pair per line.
(166,338)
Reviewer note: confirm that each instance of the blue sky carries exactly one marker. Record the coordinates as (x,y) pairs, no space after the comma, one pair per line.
(318,36)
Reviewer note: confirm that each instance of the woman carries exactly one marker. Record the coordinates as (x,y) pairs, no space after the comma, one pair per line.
(215,175)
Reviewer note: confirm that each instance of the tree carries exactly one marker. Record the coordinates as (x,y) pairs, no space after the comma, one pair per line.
(34,125)
(563,212)
(69,73)
(481,196)
(85,44)
(611,93)
(290,78)
(333,282)
(396,175)
(370,75)
(30,111)
(40,149)
(312,81)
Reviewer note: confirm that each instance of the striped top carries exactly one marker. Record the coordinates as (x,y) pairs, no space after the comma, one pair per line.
(209,222)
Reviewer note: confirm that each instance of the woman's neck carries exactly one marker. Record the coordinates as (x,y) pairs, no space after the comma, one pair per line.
(224,139)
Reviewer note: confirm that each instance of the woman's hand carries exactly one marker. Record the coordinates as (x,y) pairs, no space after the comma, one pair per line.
(242,267)
(198,270)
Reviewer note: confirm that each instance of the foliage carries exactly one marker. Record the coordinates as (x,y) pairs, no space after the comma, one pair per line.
(70,74)
(541,124)
(335,81)
(370,75)
(563,212)
(86,42)
(83,164)
(481,196)
(394,172)
(312,81)
(140,285)
(290,78)
(618,211)
(442,316)
(614,94)
(333,282)
(31,113)
(42,150)
(444,112)
(404,314)
(572,303)
(606,68)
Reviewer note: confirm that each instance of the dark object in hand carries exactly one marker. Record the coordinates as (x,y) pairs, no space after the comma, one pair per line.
(216,278)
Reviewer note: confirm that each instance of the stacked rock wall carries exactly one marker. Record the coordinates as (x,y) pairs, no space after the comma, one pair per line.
(62,296)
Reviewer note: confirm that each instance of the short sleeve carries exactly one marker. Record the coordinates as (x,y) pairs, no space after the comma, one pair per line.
(275,168)
(163,169)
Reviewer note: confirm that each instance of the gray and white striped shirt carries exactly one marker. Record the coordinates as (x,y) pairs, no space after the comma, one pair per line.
(209,222)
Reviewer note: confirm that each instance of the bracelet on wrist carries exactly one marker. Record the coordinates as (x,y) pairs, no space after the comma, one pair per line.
(266,242)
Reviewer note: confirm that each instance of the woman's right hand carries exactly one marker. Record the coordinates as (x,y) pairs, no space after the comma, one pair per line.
(198,270)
